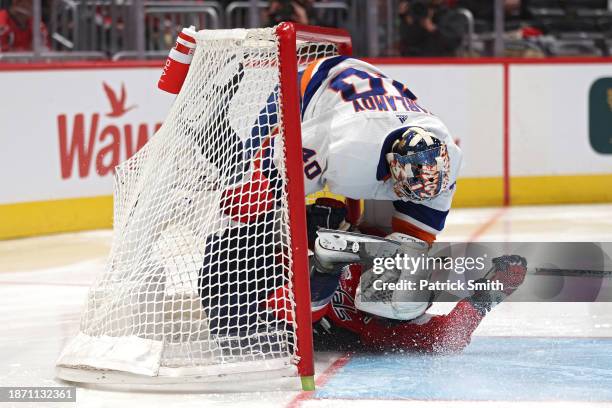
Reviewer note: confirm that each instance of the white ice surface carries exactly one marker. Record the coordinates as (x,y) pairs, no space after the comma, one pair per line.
(43,283)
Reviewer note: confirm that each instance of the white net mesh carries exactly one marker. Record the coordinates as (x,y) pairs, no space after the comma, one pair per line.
(202,234)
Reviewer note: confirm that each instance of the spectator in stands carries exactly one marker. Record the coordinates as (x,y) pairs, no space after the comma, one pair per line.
(16,27)
(297,11)
(430,28)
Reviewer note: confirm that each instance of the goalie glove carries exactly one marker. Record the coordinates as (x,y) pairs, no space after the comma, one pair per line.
(325,213)
(398,304)
(509,270)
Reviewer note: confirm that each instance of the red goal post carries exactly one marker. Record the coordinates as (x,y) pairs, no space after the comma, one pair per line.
(289,34)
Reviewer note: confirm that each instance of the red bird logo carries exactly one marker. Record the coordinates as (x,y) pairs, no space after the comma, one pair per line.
(117,104)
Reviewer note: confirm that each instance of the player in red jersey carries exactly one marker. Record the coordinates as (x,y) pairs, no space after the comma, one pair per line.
(343,320)
(344,326)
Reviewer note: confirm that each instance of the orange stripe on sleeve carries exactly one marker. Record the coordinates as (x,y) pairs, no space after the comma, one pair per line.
(399,225)
(307,76)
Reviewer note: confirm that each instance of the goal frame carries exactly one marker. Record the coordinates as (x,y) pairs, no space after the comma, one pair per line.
(288,35)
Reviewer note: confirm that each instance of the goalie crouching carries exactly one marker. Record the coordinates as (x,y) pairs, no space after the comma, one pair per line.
(364,136)
(351,312)
(349,308)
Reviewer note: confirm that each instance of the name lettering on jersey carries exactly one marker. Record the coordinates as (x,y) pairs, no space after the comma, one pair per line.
(373,92)
(388,103)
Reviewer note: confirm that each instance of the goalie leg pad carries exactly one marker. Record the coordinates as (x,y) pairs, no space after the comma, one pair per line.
(334,246)
(375,296)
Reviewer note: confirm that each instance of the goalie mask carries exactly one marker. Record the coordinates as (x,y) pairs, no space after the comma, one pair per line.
(419,164)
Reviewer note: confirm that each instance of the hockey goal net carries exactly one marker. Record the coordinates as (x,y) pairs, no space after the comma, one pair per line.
(209,223)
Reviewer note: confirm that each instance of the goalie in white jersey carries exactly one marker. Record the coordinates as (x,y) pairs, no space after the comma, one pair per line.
(364,136)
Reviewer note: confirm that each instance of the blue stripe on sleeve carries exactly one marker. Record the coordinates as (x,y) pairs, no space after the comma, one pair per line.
(426,215)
